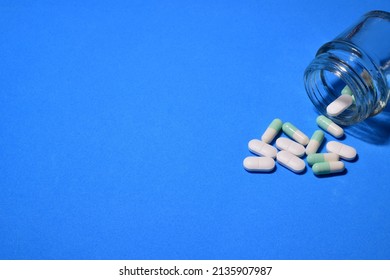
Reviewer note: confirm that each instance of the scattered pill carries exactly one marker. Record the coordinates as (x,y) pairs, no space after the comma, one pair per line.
(259,164)
(315,142)
(295,133)
(272,130)
(289,145)
(328,167)
(261,148)
(339,105)
(329,126)
(290,151)
(291,161)
(321,157)
(344,151)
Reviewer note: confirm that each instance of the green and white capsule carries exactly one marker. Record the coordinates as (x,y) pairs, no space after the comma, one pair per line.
(328,167)
(272,130)
(329,126)
(321,157)
(347,90)
(293,132)
(315,142)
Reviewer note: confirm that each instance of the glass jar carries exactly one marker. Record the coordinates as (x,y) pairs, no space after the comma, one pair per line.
(357,62)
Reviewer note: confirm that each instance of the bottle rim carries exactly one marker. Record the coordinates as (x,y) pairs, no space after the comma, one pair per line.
(378,13)
(321,96)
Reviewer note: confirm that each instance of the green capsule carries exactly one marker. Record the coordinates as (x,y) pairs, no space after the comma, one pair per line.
(272,130)
(329,126)
(293,132)
(346,90)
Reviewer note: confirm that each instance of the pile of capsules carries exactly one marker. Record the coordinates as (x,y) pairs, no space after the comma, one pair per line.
(292,149)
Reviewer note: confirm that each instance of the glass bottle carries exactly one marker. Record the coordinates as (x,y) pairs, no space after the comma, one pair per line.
(357,62)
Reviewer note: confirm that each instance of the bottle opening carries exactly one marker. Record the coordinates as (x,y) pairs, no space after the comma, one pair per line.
(325,81)
(356,63)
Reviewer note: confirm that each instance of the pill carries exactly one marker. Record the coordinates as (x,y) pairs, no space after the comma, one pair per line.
(261,148)
(339,105)
(328,167)
(272,130)
(346,90)
(295,133)
(321,157)
(344,151)
(315,142)
(290,161)
(329,126)
(259,164)
(289,145)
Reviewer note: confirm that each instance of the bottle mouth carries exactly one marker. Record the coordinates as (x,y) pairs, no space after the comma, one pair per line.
(329,76)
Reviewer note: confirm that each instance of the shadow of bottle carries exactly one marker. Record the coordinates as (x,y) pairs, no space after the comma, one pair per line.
(374,130)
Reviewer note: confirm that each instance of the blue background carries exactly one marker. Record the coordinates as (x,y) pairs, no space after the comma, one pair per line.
(123,128)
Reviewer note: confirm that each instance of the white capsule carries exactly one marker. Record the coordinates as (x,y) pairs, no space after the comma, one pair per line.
(344,151)
(339,105)
(289,145)
(261,148)
(290,161)
(259,164)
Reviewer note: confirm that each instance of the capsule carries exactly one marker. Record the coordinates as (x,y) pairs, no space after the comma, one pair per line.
(258,164)
(339,105)
(321,157)
(315,142)
(348,91)
(329,126)
(344,151)
(295,133)
(291,161)
(289,145)
(328,167)
(261,148)
(272,130)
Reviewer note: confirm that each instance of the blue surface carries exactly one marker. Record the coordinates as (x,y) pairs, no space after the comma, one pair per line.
(123,129)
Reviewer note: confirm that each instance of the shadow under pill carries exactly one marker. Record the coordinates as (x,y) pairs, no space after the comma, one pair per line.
(300,173)
(340,138)
(354,160)
(262,172)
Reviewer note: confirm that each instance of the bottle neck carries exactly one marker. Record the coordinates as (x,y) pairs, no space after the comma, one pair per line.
(341,67)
